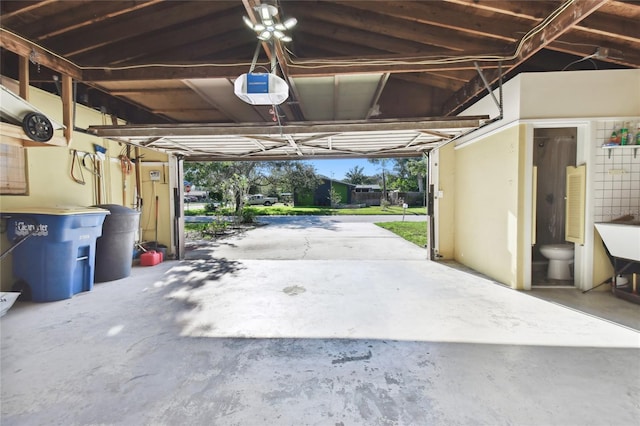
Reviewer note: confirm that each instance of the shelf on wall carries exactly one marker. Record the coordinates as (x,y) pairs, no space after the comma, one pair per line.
(612,147)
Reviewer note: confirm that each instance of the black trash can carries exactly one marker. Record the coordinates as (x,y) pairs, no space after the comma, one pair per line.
(114,249)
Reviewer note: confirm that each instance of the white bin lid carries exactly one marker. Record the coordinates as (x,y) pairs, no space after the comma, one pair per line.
(57,211)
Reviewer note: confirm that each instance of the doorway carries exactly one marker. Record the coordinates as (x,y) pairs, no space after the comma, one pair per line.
(554,149)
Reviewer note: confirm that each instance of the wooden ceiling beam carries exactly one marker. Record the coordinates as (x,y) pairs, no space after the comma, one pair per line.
(535,10)
(22,47)
(614,19)
(145,91)
(163,44)
(344,48)
(297,68)
(431,79)
(170,111)
(240,49)
(566,19)
(137,23)
(363,65)
(624,29)
(233,43)
(85,15)
(437,14)
(585,45)
(627,8)
(383,42)
(222,69)
(103,33)
(378,24)
(11,9)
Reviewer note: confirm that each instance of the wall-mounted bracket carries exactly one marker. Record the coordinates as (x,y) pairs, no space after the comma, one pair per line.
(499,103)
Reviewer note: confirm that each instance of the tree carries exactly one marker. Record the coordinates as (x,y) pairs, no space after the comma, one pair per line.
(293,176)
(334,197)
(356,176)
(418,169)
(382,162)
(408,174)
(199,173)
(232,179)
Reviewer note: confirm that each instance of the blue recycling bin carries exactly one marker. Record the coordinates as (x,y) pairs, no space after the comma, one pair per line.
(57,258)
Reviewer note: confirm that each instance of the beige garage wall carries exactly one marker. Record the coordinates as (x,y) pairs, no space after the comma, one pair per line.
(51,185)
(487,188)
(603,93)
(150,189)
(446,203)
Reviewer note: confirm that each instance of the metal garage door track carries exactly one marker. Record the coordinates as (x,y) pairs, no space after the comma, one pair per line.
(323,321)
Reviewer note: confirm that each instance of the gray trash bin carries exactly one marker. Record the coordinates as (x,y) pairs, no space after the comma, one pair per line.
(114,249)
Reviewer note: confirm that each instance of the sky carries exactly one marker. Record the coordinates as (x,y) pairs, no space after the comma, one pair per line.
(336,169)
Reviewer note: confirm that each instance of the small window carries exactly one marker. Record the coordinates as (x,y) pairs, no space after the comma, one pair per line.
(13,171)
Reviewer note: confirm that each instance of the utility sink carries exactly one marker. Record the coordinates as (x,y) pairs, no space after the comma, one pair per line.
(621,238)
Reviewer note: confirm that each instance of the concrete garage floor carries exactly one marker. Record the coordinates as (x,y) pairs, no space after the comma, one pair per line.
(317,321)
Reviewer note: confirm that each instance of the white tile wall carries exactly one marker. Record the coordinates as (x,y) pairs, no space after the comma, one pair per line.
(617,176)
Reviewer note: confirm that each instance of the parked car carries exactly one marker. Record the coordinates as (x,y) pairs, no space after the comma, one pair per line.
(286,198)
(198,195)
(257,199)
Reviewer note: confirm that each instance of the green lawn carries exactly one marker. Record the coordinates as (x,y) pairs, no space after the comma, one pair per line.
(377,210)
(415,232)
(282,210)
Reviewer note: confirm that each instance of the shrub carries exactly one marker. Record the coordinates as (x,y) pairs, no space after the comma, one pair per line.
(218,226)
(211,206)
(248,215)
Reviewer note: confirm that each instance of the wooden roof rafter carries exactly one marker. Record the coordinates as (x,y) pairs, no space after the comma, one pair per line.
(570,15)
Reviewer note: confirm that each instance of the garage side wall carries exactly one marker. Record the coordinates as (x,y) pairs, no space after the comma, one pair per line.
(445,201)
(487,188)
(50,171)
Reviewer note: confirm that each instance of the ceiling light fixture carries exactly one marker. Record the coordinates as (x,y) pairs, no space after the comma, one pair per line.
(268,28)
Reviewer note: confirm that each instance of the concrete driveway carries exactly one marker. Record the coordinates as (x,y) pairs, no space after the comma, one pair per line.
(314,321)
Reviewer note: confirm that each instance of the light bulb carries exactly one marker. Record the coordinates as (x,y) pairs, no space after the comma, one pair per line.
(248,22)
(290,23)
(278,34)
(267,11)
(258,27)
(264,36)
(286,39)
(263,9)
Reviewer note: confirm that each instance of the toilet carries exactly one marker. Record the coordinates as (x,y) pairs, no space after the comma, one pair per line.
(560,259)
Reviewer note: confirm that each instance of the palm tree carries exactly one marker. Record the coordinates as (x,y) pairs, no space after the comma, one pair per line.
(418,169)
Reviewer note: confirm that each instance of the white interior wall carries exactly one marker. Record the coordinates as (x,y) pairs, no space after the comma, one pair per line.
(580,94)
(555,95)
(565,99)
